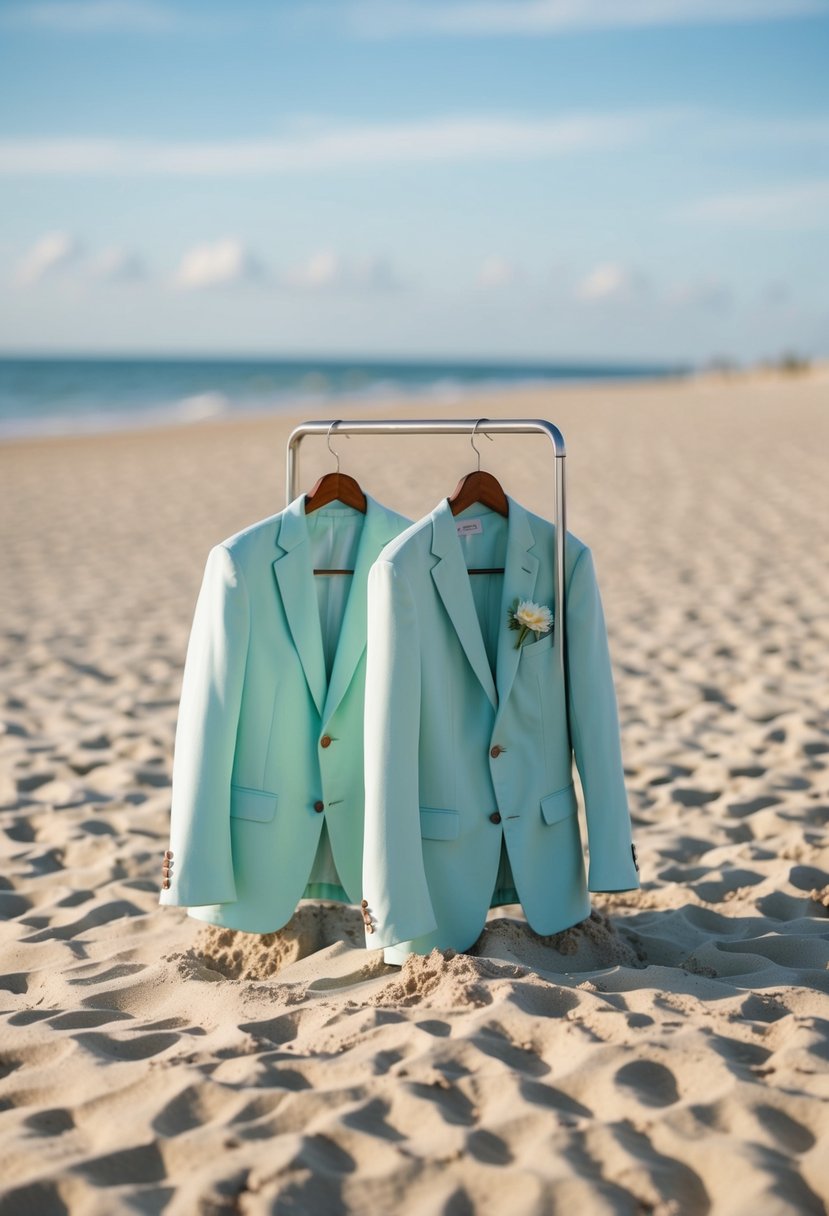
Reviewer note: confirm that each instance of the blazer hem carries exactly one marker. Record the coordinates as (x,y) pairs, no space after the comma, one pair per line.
(168,900)
(223,921)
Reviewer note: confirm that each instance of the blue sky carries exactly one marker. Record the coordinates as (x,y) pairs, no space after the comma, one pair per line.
(554,179)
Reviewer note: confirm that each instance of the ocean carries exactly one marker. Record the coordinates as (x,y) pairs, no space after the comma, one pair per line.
(76,395)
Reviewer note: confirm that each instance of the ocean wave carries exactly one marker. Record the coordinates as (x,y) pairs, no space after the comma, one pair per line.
(87,396)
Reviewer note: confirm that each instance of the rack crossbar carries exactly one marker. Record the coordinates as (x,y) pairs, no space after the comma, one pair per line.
(455,426)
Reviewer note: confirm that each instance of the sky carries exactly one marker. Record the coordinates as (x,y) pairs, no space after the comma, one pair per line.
(488,179)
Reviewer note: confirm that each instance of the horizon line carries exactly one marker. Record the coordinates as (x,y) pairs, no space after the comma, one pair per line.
(506,360)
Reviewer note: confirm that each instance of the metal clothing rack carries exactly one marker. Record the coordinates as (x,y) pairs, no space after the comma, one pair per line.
(456,426)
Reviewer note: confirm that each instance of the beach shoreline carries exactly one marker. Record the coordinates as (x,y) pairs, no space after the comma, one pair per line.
(210,409)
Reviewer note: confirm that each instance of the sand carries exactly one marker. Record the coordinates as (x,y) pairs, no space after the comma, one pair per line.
(667,1056)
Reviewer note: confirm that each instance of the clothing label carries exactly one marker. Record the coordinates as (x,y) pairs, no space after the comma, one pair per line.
(467,527)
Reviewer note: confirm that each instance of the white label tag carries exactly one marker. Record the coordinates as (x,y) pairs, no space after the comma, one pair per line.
(467,527)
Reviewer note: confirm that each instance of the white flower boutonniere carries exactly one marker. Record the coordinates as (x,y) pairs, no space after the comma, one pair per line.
(527,617)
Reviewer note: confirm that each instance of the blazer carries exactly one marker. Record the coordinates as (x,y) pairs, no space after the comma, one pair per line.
(470,800)
(267,786)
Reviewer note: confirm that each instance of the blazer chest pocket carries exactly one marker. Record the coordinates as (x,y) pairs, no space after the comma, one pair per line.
(533,650)
(438,824)
(247,803)
(559,805)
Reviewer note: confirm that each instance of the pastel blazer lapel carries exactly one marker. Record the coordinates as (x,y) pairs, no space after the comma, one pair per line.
(295,578)
(452,581)
(378,528)
(520,574)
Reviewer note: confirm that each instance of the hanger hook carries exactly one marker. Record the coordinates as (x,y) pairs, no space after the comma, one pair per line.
(472,440)
(336,422)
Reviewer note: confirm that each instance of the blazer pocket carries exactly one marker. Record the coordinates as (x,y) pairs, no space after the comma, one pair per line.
(560,804)
(438,824)
(531,650)
(247,803)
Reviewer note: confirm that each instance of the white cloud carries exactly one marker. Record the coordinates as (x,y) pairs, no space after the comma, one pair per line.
(327,270)
(115,265)
(93,16)
(610,281)
(321,270)
(53,251)
(452,139)
(309,144)
(496,271)
(227,261)
(493,18)
(614,282)
(396,18)
(799,205)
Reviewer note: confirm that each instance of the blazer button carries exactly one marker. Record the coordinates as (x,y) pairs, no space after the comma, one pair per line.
(168,853)
(166,884)
(495,751)
(495,817)
(319,806)
(325,741)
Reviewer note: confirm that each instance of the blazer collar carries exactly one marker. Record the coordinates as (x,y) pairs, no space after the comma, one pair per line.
(453,583)
(520,574)
(379,527)
(295,577)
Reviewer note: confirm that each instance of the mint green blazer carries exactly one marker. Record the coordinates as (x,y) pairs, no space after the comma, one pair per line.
(470,800)
(267,797)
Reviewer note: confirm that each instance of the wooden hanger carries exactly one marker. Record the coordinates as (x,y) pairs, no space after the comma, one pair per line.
(479,487)
(335,487)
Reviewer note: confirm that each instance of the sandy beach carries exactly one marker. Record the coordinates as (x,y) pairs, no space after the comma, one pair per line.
(667,1056)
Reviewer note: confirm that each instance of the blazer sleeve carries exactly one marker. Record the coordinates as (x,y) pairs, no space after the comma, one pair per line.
(394,878)
(205,741)
(595,734)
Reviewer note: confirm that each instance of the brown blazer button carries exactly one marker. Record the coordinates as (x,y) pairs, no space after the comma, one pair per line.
(325,741)
(166,883)
(369,928)
(168,853)
(495,817)
(363,903)
(319,806)
(495,751)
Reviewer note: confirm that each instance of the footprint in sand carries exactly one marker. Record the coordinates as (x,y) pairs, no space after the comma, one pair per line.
(138,1047)
(652,1083)
(52,1122)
